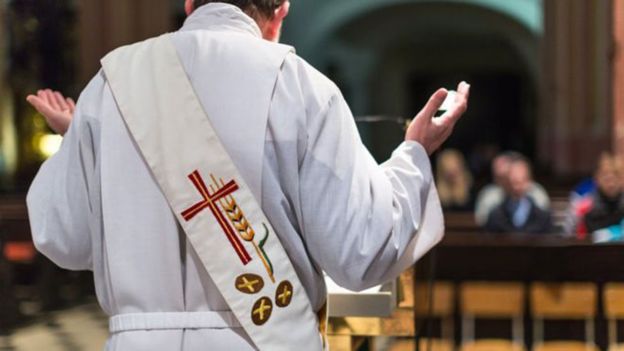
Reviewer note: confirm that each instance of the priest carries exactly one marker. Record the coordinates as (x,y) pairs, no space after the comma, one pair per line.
(210,176)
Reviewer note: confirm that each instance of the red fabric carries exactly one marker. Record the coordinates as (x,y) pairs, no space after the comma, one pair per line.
(581,208)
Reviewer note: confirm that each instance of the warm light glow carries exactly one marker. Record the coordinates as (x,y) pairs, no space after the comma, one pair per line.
(49,144)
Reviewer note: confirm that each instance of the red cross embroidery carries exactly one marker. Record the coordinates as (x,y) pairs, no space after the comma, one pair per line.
(210,201)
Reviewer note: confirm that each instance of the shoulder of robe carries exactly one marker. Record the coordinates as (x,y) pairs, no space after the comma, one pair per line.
(90,101)
(239,49)
(318,91)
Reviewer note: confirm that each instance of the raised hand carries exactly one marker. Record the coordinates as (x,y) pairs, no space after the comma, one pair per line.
(432,132)
(57,109)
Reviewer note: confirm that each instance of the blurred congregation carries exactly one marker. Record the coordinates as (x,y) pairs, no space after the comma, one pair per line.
(531,182)
(514,202)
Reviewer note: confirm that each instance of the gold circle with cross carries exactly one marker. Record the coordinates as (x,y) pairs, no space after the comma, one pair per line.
(261,311)
(284,294)
(249,283)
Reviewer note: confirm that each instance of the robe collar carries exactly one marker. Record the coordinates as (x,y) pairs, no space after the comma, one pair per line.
(221,17)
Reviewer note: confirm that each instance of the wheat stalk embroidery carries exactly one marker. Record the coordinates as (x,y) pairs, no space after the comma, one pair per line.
(237,218)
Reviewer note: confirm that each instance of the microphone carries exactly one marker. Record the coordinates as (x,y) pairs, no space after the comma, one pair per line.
(446,105)
(377,119)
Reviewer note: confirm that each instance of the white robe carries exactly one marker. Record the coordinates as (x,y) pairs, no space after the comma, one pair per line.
(94,205)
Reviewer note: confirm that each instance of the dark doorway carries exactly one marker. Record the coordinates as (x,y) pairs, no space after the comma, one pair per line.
(501,112)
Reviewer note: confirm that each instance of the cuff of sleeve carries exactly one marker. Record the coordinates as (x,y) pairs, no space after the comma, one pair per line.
(418,156)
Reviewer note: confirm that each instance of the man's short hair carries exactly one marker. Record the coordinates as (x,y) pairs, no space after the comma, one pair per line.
(264,8)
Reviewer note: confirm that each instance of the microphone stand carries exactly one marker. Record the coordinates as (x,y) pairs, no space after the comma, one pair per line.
(402,121)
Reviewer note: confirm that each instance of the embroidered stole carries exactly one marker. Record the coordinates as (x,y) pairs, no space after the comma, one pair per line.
(219,214)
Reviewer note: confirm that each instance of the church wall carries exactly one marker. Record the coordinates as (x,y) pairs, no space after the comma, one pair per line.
(576,97)
(105,25)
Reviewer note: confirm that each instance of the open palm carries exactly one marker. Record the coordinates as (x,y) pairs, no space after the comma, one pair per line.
(432,132)
(57,109)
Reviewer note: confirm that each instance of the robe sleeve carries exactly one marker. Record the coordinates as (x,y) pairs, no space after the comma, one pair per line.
(364,223)
(59,206)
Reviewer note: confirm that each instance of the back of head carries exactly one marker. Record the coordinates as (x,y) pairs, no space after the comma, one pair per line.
(501,165)
(451,163)
(254,8)
(453,178)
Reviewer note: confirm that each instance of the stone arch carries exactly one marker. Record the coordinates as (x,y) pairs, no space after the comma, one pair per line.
(358,40)
(315,21)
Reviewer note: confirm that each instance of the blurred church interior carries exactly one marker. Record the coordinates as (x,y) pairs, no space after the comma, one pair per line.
(547,81)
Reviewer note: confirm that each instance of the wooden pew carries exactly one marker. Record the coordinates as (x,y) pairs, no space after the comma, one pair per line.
(461,222)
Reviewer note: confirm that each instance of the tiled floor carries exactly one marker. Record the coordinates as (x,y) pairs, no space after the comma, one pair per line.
(85,328)
(82,328)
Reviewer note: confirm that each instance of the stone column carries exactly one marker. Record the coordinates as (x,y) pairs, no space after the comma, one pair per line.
(105,25)
(3,63)
(576,99)
(3,41)
(8,141)
(618,77)
(7,301)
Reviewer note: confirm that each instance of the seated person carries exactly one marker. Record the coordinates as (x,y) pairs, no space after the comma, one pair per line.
(518,212)
(454,181)
(607,202)
(492,195)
